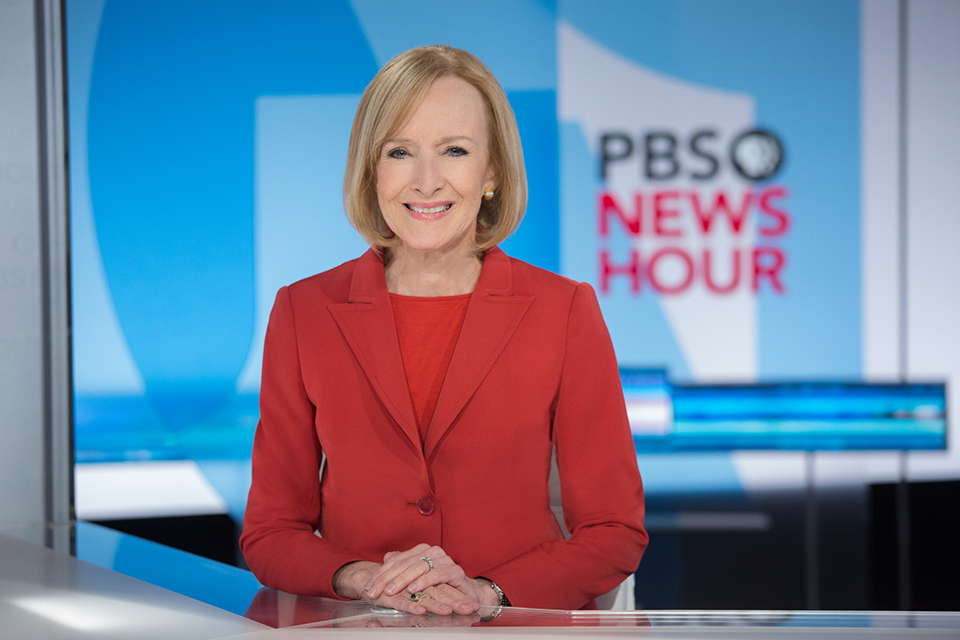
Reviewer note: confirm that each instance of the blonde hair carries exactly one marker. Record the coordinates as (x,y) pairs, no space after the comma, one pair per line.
(390,100)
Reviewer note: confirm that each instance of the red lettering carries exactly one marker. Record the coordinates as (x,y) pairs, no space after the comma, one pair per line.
(660,213)
(708,273)
(609,204)
(666,214)
(655,281)
(769,267)
(780,217)
(720,206)
(608,270)
(767,263)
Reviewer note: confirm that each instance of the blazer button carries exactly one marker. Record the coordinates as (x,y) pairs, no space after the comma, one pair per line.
(425,506)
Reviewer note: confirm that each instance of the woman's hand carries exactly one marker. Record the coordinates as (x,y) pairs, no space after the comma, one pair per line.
(411,572)
(367,581)
(349,582)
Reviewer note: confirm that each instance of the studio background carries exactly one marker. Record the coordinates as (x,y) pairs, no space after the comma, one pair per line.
(207,143)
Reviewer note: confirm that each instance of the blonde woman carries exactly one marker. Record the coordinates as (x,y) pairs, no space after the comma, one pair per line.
(436,377)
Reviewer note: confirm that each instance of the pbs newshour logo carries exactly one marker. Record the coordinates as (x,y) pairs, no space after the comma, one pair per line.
(689,227)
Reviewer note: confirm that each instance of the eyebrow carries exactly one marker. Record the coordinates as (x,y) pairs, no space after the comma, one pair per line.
(440,142)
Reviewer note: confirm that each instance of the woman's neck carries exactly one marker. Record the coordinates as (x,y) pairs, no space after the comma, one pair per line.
(416,273)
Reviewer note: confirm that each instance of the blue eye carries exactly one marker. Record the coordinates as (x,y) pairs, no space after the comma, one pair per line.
(456,152)
(397,154)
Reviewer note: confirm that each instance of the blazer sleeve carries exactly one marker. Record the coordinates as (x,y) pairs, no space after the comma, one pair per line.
(279,541)
(600,484)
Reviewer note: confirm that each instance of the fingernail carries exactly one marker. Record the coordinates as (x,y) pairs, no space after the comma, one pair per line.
(391,588)
(413,588)
(370,593)
(420,610)
(444,607)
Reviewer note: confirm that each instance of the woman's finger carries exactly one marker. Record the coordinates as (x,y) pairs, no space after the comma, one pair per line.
(389,556)
(393,558)
(403,568)
(384,577)
(399,602)
(444,600)
(420,549)
(392,579)
(431,601)
(456,600)
(419,571)
(450,574)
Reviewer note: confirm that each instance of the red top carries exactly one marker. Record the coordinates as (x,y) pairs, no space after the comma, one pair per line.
(428,329)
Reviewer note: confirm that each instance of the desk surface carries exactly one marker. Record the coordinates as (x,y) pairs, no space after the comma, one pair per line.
(49,595)
(293,615)
(46,595)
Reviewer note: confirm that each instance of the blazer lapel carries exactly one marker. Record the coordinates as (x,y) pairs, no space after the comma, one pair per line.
(370,330)
(492,318)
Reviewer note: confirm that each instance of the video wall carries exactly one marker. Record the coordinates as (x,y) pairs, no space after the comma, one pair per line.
(697,162)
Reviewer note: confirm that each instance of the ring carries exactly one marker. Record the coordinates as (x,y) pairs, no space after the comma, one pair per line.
(416,596)
(428,561)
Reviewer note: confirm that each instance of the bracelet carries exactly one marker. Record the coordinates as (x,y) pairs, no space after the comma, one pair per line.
(504,600)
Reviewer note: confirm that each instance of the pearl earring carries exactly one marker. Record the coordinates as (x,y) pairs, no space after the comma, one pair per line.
(488,193)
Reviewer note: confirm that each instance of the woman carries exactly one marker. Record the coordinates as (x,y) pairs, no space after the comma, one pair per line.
(435,377)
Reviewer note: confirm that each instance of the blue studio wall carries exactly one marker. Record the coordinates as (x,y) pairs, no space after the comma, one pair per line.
(696,162)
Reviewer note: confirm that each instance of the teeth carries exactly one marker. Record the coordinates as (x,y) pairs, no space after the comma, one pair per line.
(439,209)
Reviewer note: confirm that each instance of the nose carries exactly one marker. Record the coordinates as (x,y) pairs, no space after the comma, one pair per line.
(427,178)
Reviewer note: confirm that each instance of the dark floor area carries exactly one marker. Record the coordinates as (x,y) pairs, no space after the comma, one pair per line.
(934,533)
(857,564)
(210,536)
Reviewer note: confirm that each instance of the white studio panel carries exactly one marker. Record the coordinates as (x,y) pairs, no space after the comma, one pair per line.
(933,200)
(880,187)
(120,490)
(35,452)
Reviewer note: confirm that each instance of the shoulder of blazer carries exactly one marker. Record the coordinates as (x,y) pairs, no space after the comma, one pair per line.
(531,280)
(357,280)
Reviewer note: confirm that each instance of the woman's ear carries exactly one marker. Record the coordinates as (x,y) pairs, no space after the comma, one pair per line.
(491,178)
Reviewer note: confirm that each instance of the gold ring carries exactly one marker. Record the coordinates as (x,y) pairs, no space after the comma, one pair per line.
(416,596)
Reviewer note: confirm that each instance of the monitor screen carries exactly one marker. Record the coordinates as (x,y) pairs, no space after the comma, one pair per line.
(795,416)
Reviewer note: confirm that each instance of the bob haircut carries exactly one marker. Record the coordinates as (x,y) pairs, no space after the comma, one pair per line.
(388,103)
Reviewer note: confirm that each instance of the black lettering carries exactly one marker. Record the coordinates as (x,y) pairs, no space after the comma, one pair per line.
(613,148)
(660,156)
(697,149)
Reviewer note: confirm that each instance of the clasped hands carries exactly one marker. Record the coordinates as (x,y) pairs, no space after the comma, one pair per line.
(445,588)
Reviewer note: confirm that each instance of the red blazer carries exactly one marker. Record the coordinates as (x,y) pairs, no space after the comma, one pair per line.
(534,368)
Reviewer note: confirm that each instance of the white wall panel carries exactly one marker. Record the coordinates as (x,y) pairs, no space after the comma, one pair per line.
(21,339)
(933,235)
(35,394)
(880,182)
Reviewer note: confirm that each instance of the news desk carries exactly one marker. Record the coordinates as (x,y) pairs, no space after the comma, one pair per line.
(49,595)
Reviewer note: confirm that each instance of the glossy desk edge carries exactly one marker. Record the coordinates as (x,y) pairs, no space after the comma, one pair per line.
(45,594)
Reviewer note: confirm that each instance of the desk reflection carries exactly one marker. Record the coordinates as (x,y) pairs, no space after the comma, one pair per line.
(278,609)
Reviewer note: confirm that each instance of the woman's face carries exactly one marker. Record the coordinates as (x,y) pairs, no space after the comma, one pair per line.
(431,174)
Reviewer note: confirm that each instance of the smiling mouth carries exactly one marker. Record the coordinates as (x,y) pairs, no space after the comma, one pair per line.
(442,208)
